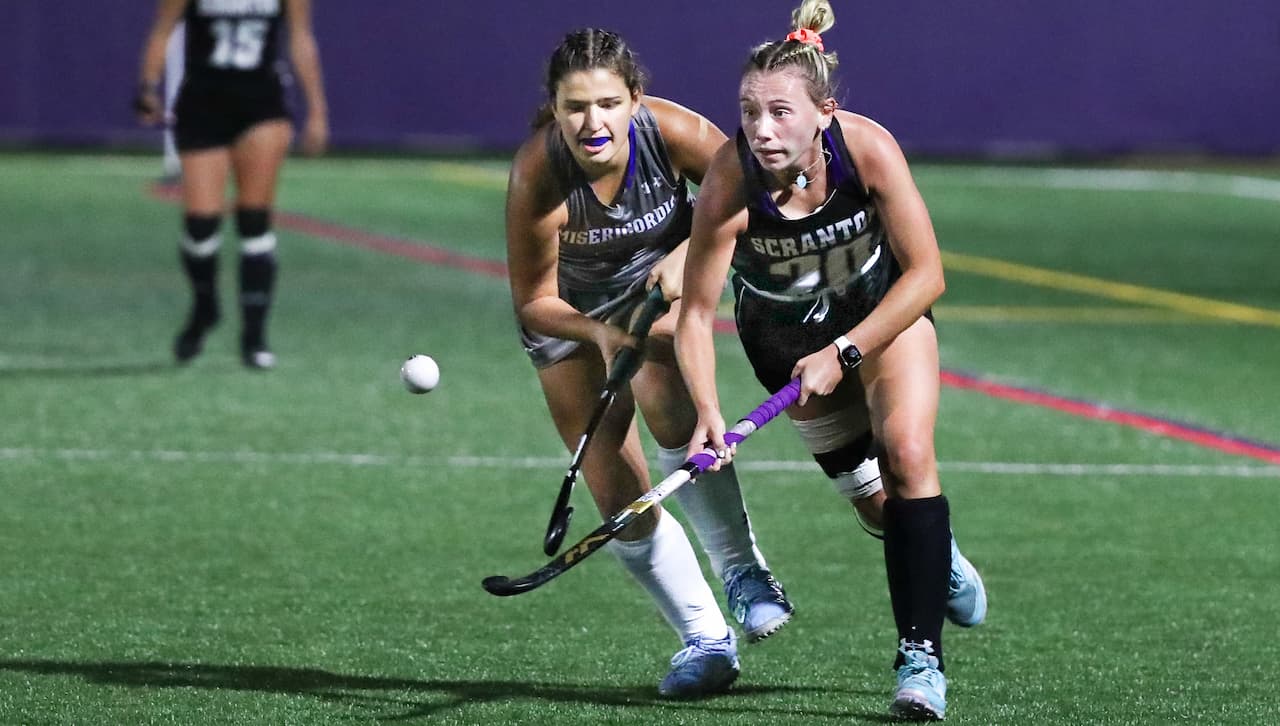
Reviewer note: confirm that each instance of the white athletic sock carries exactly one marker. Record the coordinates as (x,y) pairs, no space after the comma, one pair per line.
(664,564)
(714,507)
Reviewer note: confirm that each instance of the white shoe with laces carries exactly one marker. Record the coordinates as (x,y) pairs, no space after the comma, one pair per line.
(922,689)
(704,667)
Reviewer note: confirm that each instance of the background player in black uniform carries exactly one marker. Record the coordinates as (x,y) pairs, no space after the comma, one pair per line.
(598,210)
(231,117)
(836,268)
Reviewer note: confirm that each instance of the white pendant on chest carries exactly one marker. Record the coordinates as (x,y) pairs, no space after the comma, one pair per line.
(802,181)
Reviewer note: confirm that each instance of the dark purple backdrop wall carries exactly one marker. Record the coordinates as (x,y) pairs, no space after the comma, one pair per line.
(980,77)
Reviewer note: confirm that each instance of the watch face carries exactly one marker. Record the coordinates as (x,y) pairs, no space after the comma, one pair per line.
(850,356)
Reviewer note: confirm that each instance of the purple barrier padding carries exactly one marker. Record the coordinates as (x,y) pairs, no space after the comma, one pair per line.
(70,69)
(982,77)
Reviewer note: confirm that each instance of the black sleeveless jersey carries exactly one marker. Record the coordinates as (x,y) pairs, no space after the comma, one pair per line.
(233,39)
(608,248)
(840,249)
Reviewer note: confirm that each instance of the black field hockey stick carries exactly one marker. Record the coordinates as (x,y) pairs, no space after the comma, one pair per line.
(764,413)
(625,364)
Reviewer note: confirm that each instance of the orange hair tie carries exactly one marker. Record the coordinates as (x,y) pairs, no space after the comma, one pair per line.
(804,35)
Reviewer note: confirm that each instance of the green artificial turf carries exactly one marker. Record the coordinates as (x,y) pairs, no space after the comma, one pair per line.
(211,545)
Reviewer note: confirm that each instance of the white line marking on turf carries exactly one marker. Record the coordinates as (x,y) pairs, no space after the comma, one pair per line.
(1133,180)
(1004,468)
(1192,182)
(488,174)
(1220,470)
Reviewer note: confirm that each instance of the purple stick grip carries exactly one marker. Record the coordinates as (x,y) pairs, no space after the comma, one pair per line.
(763,414)
(775,405)
(702,460)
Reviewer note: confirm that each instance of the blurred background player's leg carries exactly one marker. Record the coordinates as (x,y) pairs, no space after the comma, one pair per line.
(203,179)
(256,157)
(257,283)
(174,60)
(199,254)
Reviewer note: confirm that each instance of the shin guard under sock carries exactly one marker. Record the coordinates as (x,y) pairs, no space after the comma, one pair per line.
(202,272)
(917,556)
(714,507)
(257,285)
(665,565)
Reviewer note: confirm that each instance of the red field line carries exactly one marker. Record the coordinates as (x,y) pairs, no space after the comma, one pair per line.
(432,254)
(1101,412)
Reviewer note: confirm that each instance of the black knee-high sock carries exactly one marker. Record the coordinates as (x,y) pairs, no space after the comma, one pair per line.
(257,283)
(917,558)
(257,273)
(202,268)
(202,272)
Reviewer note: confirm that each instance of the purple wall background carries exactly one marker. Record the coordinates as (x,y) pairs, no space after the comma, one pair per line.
(988,77)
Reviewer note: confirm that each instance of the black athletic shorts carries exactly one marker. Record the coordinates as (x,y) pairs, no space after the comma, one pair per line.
(213,114)
(777,334)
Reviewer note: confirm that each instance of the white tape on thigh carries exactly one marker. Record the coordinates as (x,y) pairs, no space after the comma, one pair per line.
(260,245)
(830,432)
(203,248)
(861,482)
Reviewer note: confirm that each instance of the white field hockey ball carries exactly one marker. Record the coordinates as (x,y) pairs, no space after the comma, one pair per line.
(420,373)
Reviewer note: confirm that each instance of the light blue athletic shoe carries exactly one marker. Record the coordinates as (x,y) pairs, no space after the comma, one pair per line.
(922,689)
(704,667)
(966,595)
(756,600)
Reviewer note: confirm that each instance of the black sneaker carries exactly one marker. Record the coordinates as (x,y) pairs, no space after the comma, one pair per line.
(190,339)
(256,356)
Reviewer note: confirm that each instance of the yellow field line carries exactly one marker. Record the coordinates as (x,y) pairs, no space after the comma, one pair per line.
(1047,314)
(1189,304)
(493,177)
(485,176)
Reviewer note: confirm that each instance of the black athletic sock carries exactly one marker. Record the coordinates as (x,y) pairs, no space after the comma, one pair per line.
(257,285)
(917,557)
(202,272)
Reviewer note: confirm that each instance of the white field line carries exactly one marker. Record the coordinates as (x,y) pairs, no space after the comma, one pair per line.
(1133,180)
(489,173)
(335,458)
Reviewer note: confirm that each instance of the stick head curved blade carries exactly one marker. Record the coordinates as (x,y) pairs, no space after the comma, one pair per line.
(503,586)
(556,530)
(496,584)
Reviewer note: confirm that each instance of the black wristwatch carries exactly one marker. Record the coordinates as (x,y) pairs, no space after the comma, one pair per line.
(848,353)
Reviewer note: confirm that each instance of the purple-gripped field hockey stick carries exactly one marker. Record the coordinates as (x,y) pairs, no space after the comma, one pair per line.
(503,586)
(625,364)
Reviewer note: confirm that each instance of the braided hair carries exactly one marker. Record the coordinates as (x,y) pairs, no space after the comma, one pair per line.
(585,50)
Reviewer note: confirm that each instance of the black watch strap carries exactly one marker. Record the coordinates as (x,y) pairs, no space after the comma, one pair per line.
(848,353)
